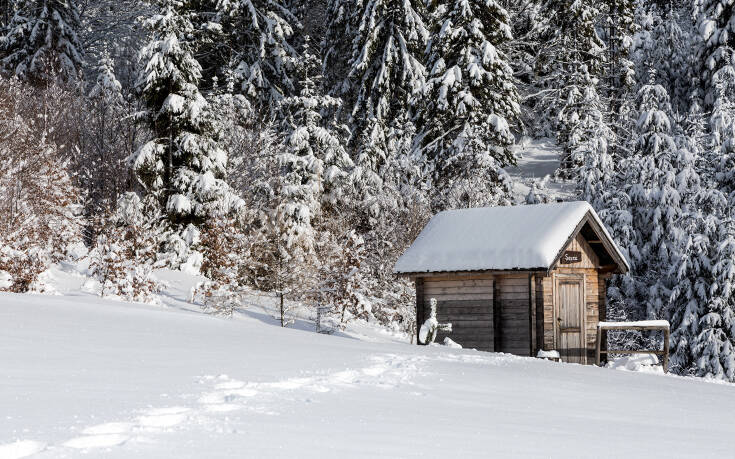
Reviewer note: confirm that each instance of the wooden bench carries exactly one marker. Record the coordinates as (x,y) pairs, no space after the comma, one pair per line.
(660,325)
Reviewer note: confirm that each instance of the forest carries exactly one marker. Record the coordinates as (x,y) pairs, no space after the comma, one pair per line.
(299,146)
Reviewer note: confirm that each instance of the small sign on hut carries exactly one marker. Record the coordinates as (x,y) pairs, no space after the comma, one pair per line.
(516,279)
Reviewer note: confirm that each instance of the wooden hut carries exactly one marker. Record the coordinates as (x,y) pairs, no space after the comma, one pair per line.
(516,279)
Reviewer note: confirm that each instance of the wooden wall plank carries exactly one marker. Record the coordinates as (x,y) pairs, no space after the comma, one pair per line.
(467,303)
(589,257)
(513,296)
(419,283)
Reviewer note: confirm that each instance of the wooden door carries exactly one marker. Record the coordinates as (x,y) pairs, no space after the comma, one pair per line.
(569,327)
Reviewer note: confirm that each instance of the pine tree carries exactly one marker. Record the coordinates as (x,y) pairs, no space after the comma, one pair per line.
(183,166)
(341,25)
(655,198)
(469,101)
(568,68)
(260,57)
(42,41)
(384,69)
(717,31)
(316,165)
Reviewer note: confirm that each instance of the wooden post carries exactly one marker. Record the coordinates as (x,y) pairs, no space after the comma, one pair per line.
(419,306)
(597,349)
(531,343)
(666,350)
(497,328)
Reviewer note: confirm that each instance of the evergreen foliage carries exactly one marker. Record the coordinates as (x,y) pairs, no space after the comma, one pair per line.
(42,41)
(183,166)
(467,104)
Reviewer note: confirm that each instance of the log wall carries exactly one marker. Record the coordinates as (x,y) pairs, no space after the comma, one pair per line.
(467,303)
(513,298)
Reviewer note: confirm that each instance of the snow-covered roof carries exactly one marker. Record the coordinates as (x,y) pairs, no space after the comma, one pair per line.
(500,238)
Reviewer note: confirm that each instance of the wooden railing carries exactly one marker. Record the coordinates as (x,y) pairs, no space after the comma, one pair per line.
(660,325)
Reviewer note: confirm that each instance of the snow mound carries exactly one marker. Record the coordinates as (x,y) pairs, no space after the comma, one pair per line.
(647,363)
(21,448)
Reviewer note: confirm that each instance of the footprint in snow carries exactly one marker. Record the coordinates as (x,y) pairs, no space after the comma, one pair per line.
(288,384)
(164,417)
(102,436)
(97,441)
(20,448)
(230,385)
(223,407)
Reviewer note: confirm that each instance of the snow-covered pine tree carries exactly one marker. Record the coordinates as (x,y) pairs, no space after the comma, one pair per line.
(722,117)
(645,205)
(568,68)
(717,31)
(261,57)
(183,166)
(315,163)
(665,44)
(341,25)
(6,8)
(42,41)
(659,214)
(620,26)
(467,105)
(384,69)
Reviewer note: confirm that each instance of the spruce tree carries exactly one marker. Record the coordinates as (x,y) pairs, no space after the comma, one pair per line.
(568,67)
(468,103)
(42,41)
(384,69)
(316,165)
(258,57)
(716,25)
(183,166)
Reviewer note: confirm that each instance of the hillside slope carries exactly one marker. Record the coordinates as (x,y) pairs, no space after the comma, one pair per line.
(83,377)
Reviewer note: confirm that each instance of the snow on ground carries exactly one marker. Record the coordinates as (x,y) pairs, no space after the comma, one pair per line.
(538,159)
(85,377)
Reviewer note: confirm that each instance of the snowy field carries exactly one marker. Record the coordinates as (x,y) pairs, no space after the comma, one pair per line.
(84,377)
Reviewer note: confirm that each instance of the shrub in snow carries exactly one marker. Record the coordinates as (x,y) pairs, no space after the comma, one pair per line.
(639,362)
(430,327)
(39,204)
(341,283)
(6,280)
(124,253)
(223,248)
(538,194)
(450,343)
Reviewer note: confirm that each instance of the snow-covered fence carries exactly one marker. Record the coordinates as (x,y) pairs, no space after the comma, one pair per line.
(661,325)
